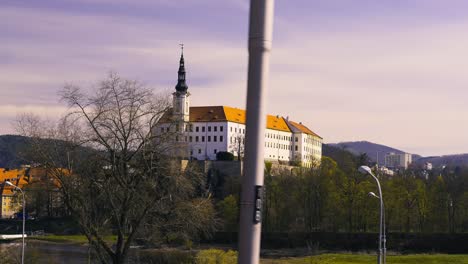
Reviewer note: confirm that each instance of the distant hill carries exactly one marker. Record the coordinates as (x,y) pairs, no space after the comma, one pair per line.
(11,150)
(371,149)
(448,160)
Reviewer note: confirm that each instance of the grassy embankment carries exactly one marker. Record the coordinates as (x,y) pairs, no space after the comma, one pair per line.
(78,239)
(220,256)
(364,259)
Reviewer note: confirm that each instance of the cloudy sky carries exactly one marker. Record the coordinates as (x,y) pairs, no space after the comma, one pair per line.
(391,71)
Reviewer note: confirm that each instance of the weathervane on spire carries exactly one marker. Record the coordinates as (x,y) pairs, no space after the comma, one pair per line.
(182,47)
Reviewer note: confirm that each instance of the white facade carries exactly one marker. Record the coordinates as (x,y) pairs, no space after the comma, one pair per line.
(201,132)
(393,160)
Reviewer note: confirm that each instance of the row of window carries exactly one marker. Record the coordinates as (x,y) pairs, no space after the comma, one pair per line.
(202,128)
(313,151)
(279,157)
(241,130)
(237,139)
(200,151)
(281,137)
(202,138)
(311,141)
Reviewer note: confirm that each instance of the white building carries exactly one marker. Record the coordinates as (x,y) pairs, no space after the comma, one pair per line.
(402,160)
(201,132)
(428,166)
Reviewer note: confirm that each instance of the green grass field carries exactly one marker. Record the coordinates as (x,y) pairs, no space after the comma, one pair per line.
(371,259)
(217,256)
(79,239)
(214,256)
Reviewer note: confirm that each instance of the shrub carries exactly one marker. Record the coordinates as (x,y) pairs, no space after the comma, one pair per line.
(223,155)
(216,256)
(167,256)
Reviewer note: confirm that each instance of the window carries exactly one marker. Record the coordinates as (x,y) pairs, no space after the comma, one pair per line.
(235,129)
(199,151)
(167,129)
(196,129)
(185,139)
(190,138)
(209,128)
(191,128)
(215,151)
(220,138)
(231,129)
(296,148)
(177,138)
(296,139)
(196,139)
(215,129)
(209,138)
(203,129)
(221,128)
(191,152)
(162,129)
(231,140)
(203,139)
(215,138)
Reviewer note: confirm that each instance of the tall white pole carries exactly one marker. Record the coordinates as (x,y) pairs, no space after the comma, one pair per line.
(381,256)
(260,37)
(24,224)
(24,216)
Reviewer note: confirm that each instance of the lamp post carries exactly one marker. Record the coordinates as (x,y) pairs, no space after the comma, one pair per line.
(381,259)
(24,217)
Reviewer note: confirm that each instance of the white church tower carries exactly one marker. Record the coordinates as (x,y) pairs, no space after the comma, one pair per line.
(181,100)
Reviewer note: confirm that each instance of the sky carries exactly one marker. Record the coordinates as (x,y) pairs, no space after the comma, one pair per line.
(394,72)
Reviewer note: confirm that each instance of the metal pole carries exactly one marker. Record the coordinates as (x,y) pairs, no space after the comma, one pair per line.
(384,239)
(380,258)
(24,224)
(260,35)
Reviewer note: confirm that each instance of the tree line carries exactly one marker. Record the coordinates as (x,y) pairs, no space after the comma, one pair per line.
(333,197)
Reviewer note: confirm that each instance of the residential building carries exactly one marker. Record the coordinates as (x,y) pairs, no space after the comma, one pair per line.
(398,160)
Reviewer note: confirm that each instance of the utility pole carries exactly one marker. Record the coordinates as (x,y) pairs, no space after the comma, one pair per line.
(260,37)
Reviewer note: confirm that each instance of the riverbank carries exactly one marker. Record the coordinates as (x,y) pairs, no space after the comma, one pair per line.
(72,250)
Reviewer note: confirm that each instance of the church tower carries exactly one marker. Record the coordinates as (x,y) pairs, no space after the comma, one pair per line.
(181,101)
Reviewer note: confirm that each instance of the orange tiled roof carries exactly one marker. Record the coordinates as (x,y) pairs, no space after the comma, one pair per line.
(231,114)
(6,191)
(236,115)
(303,128)
(207,114)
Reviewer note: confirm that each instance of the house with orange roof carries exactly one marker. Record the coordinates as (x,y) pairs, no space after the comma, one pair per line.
(9,202)
(200,132)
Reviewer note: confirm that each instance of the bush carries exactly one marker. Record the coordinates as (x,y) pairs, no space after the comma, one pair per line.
(216,256)
(168,256)
(223,155)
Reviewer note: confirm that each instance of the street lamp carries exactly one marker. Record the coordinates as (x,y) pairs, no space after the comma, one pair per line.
(381,259)
(24,216)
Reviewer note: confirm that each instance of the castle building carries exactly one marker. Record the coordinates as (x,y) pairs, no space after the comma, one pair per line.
(200,132)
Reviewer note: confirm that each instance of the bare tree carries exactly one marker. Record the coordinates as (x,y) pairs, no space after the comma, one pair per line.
(238,146)
(111,170)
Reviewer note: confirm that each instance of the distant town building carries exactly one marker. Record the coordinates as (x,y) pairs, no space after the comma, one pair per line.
(203,131)
(9,200)
(428,166)
(22,177)
(386,171)
(398,160)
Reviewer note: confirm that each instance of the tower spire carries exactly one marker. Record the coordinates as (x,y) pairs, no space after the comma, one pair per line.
(181,85)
